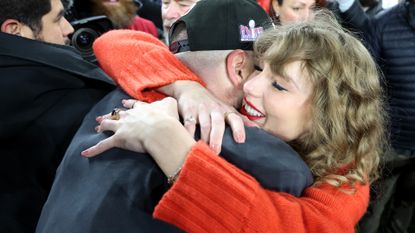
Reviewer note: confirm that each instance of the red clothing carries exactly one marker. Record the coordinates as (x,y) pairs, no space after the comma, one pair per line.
(139,63)
(265,4)
(211,195)
(144,25)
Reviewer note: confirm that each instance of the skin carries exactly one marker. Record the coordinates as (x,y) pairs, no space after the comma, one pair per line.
(294,10)
(279,103)
(171,10)
(55,28)
(154,128)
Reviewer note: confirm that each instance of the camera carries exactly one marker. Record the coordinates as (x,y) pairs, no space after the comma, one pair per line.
(86,31)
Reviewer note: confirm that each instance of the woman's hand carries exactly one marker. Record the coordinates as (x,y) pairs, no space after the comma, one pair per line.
(197,105)
(134,126)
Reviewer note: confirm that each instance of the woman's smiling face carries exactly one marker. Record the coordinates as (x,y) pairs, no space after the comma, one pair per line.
(279,103)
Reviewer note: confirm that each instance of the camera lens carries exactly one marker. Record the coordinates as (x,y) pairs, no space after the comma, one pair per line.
(83,39)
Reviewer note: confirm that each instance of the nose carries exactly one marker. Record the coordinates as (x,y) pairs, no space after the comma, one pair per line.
(255,85)
(66,28)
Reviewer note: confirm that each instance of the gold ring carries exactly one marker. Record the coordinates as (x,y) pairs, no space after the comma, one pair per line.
(115,114)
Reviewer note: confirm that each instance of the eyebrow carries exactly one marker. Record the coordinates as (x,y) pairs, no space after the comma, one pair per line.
(288,78)
(60,14)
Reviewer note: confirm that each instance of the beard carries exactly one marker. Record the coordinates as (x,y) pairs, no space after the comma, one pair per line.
(121,15)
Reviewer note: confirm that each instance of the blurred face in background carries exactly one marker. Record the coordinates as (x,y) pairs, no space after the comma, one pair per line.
(120,12)
(293,10)
(171,10)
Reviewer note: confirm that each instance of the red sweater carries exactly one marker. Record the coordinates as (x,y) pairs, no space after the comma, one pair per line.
(265,4)
(211,195)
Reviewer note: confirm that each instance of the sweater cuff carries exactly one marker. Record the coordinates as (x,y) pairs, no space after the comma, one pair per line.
(210,189)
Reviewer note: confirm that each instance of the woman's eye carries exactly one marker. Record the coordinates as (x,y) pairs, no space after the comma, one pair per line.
(296,8)
(257,68)
(278,86)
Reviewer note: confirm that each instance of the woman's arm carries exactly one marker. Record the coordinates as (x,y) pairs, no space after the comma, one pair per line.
(212,195)
(144,67)
(140,63)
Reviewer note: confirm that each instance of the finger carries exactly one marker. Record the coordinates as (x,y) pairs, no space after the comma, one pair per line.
(99,119)
(237,125)
(107,125)
(131,103)
(217,130)
(204,122)
(99,148)
(248,122)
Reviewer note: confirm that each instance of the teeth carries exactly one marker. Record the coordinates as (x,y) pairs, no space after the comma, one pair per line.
(252,111)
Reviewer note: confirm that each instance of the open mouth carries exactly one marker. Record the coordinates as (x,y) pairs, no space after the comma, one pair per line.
(250,111)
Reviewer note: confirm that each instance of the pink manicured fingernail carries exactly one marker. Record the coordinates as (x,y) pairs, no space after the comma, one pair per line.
(99,119)
(85,153)
(239,138)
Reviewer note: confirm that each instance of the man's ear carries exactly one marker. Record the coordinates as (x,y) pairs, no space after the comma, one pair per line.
(236,62)
(11,26)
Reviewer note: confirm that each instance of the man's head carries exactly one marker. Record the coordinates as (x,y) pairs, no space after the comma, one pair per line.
(172,10)
(215,40)
(35,19)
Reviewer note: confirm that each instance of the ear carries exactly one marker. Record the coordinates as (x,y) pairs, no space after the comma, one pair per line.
(276,6)
(236,64)
(11,26)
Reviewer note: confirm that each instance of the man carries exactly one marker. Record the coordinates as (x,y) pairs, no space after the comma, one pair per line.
(389,36)
(171,10)
(46,89)
(117,192)
(122,14)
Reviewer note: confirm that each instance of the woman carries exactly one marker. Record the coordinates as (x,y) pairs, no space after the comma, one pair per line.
(318,90)
(286,11)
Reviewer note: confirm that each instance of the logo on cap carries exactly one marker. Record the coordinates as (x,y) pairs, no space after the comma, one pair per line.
(250,32)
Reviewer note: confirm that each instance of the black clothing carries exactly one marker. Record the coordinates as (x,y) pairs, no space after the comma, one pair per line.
(46,90)
(118,190)
(391,38)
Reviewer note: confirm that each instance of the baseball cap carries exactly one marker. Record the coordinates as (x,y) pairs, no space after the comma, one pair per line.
(221,25)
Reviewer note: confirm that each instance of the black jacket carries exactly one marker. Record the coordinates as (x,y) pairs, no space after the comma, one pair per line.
(118,190)
(46,90)
(391,38)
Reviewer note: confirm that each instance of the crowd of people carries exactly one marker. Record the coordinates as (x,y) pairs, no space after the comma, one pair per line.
(209,116)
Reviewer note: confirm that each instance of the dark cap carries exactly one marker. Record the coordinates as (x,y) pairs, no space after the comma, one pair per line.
(221,25)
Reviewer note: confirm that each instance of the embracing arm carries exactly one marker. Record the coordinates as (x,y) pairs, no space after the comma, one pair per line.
(211,195)
(140,63)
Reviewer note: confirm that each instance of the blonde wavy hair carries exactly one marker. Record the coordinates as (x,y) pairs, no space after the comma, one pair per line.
(347,134)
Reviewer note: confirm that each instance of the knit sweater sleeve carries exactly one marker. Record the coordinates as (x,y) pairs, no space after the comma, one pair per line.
(212,195)
(139,63)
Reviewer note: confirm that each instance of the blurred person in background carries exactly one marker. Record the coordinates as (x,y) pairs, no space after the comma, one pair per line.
(46,90)
(390,38)
(171,10)
(285,11)
(122,13)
